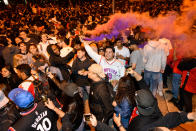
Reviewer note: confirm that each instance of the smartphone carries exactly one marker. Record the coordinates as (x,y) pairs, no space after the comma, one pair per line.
(87,117)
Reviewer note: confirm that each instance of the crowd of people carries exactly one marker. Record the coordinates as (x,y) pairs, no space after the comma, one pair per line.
(50,72)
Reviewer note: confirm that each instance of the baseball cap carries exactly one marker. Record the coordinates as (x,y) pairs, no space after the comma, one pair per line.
(97,69)
(3,99)
(145,101)
(22,98)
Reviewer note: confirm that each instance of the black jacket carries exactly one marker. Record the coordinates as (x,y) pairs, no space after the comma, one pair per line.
(170,120)
(140,121)
(79,65)
(8,115)
(100,101)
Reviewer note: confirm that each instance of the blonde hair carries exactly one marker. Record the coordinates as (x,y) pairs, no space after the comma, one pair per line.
(18,60)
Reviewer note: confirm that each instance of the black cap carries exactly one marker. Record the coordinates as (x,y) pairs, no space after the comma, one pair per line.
(145,101)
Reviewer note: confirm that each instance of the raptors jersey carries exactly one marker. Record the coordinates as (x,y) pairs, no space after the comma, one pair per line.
(114,68)
(39,118)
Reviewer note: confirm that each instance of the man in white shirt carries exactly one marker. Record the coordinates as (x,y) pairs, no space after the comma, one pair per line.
(63,43)
(122,53)
(112,67)
(42,46)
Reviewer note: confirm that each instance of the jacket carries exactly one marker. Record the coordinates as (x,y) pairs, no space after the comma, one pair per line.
(188,65)
(191,83)
(138,122)
(8,115)
(100,101)
(79,65)
(125,110)
(170,120)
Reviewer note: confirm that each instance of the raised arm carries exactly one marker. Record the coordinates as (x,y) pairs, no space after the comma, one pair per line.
(91,53)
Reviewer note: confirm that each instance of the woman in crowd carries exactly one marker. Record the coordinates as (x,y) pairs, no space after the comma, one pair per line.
(10,79)
(124,100)
(61,62)
(33,50)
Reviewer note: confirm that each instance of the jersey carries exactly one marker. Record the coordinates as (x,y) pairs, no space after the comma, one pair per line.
(114,69)
(124,52)
(39,118)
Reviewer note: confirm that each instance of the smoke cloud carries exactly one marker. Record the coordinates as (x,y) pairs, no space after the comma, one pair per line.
(172,26)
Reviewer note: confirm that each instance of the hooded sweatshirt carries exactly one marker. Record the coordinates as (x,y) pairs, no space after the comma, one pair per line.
(154,56)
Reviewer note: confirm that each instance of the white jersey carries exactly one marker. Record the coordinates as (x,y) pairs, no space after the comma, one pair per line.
(114,68)
(124,52)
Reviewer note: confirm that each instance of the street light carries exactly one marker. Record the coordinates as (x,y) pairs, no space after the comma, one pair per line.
(113,6)
(6,2)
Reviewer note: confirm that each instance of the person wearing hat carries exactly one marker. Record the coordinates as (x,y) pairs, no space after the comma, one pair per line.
(35,116)
(8,112)
(148,109)
(100,99)
(170,120)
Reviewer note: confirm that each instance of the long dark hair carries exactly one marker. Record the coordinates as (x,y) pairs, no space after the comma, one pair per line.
(9,68)
(126,89)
